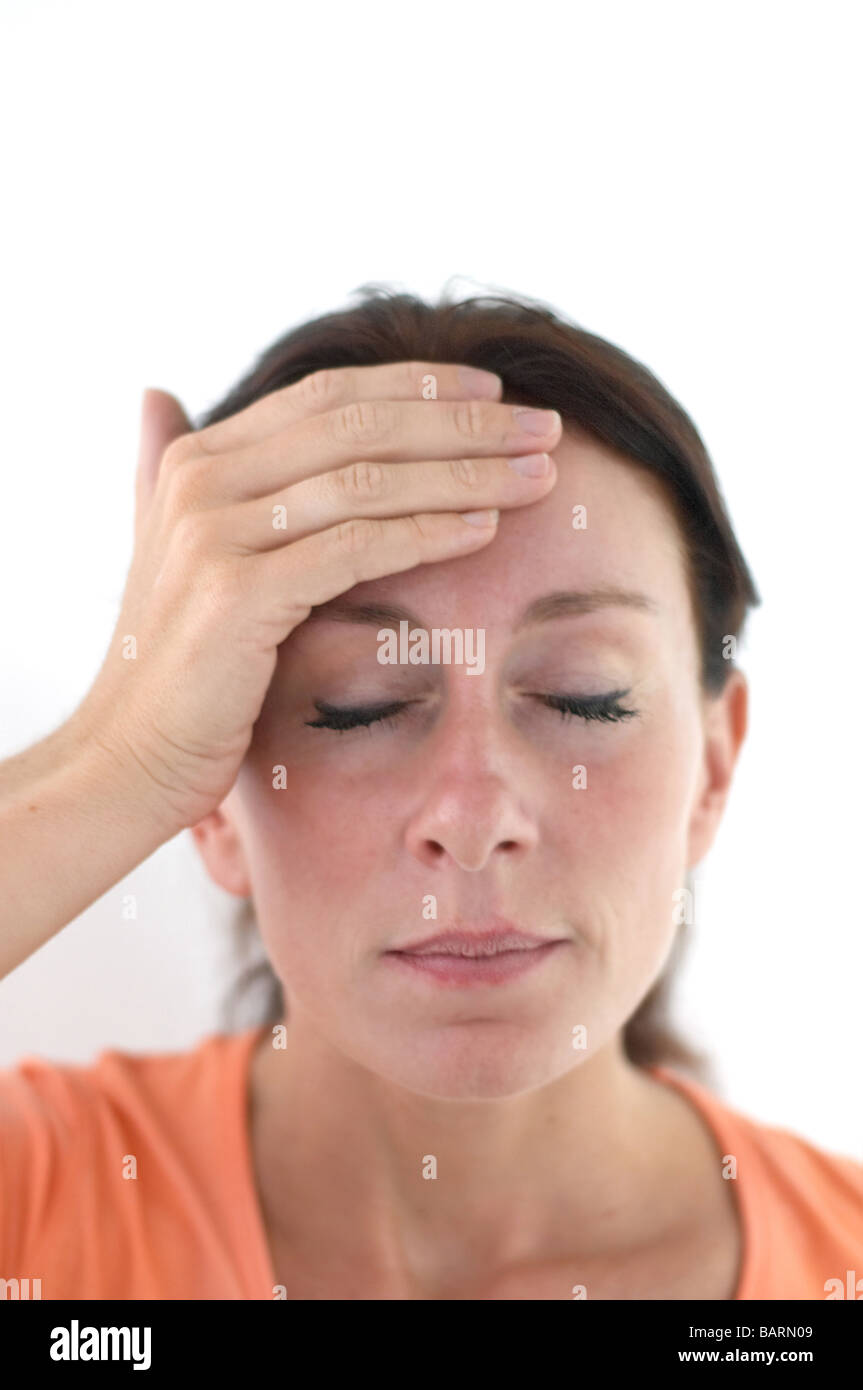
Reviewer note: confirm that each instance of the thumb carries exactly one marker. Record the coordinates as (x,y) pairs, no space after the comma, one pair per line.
(163,419)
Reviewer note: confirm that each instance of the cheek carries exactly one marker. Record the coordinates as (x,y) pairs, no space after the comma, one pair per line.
(623,836)
(311,838)
(639,789)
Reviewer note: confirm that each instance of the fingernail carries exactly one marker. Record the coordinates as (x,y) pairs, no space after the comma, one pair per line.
(478,382)
(487,518)
(536,421)
(530,465)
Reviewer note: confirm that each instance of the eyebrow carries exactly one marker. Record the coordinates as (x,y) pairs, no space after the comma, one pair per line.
(565,604)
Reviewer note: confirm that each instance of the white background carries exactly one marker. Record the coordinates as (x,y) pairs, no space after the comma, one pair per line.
(182,183)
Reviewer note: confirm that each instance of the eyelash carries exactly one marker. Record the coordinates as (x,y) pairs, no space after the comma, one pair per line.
(604,708)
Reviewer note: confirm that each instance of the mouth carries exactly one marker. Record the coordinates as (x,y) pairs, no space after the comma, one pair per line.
(476,958)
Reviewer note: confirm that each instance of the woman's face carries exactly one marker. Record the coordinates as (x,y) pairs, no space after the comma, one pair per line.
(465,799)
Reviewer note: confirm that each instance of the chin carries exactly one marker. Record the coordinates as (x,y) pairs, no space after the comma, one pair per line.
(479,1061)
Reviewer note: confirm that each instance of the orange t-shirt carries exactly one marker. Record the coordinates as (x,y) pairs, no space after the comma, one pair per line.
(190,1225)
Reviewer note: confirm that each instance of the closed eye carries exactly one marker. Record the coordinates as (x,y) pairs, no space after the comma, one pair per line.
(605,708)
(341,719)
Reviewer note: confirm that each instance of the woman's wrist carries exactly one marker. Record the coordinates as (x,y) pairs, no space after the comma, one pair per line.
(119,788)
(76,816)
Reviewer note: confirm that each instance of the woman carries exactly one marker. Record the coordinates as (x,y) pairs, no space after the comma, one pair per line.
(467,877)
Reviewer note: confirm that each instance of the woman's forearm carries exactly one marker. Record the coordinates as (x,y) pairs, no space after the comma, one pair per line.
(76,816)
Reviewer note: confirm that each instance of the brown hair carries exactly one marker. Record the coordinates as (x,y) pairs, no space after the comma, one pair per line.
(548,361)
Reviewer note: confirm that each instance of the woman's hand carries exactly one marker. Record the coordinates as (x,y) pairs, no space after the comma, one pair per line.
(243,527)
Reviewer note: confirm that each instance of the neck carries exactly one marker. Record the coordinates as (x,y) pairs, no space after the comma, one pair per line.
(586,1166)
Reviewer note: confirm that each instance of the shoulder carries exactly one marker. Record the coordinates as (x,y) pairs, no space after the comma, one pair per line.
(66,1129)
(37,1091)
(801,1202)
(128,1176)
(792,1161)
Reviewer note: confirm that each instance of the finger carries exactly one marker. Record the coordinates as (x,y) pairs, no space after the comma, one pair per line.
(378,490)
(291,580)
(162,420)
(380,431)
(332,387)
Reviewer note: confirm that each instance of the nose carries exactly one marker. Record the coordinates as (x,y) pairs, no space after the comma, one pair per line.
(473,808)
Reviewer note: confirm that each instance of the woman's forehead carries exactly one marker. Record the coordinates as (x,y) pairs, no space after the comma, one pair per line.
(605,524)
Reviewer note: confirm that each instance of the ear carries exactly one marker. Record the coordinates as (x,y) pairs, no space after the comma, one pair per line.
(725,723)
(221,849)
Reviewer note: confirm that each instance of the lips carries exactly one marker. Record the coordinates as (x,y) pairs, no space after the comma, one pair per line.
(479,943)
(476,959)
